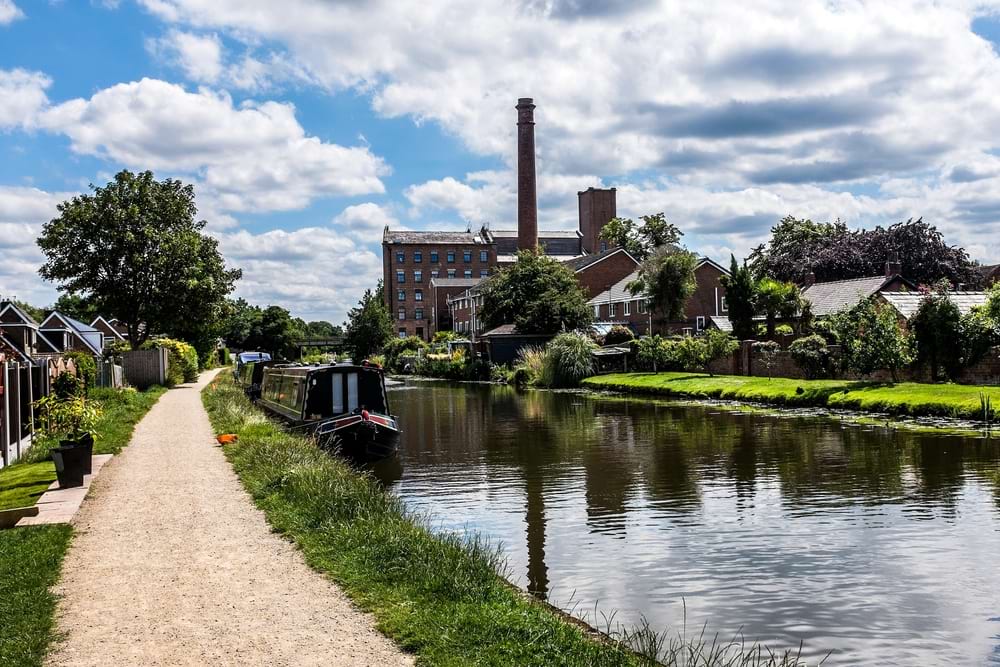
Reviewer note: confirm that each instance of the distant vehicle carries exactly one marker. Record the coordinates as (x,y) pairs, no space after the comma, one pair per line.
(345,406)
(244,358)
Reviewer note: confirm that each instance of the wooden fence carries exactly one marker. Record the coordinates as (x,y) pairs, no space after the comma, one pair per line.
(18,384)
(144,368)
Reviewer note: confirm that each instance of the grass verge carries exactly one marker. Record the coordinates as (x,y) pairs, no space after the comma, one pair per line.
(121,409)
(904,398)
(30,562)
(440,596)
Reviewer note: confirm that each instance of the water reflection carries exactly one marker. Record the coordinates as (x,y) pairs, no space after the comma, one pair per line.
(875,543)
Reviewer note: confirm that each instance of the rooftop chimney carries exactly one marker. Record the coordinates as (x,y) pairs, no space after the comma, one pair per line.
(527,211)
(810,279)
(893,267)
(597,207)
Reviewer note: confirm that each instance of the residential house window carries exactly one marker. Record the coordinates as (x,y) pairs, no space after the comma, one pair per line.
(451,273)
(484,256)
(401,295)
(467,256)
(402,332)
(418,276)
(468,273)
(612,309)
(725,306)
(434,256)
(419,314)
(483,273)
(628,308)
(699,323)
(642,305)
(418,256)
(597,312)
(400,257)
(451,256)
(400,277)
(418,295)
(401,313)
(434,274)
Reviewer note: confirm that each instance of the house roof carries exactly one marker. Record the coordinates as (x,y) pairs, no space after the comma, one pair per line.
(10,305)
(619,291)
(907,303)
(836,295)
(404,237)
(584,261)
(111,327)
(511,259)
(86,333)
(8,344)
(542,233)
(721,322)
(454,282)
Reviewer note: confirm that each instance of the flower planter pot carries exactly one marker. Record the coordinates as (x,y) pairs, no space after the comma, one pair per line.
(85,442)
(70,463)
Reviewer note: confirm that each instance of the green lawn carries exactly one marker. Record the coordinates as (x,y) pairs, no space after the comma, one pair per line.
(438,595)
(30,562)
(23,482)
(904,398)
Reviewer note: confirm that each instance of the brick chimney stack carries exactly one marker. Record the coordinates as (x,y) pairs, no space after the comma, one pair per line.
(527,206)
(893,267)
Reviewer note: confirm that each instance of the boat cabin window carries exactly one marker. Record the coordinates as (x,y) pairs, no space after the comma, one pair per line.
(352,392)
(338,394)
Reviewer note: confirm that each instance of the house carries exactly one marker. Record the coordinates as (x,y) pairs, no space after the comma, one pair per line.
(443,290)
(837,295)
(18,333)
(60,333)
(111,330)
(906,304)
(617,305)
(466,312)
(990,275)
(505,342)
(598,271)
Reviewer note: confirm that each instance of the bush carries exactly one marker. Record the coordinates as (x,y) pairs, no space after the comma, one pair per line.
(568,359)
(828,330)
(400,347)
(529,366)
(86,368)
(656,353)
(812,355)
(66,386)
(115,349)
(182,360)
(446,336)
(618,334)
(784,330)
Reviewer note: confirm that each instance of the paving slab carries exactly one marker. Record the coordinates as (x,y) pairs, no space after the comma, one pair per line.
(61,505)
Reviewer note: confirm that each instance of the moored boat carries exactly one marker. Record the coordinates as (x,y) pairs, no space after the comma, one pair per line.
(345,406)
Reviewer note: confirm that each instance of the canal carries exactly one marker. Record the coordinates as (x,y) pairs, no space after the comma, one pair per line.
(879,545)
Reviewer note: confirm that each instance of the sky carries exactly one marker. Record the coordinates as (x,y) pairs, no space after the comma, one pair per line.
(306,126)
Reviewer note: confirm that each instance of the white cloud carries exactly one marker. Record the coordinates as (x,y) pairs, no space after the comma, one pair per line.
(365,222)
(315,272)
(9,12)
(720,97)
(250,157)
(200,56)
(22,97)
(23,211)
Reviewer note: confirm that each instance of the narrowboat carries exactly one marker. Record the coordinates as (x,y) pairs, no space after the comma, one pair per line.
(250,377)
(345,406)
(244,358)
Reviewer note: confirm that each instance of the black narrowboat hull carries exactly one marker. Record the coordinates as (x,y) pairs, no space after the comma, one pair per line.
(371,439)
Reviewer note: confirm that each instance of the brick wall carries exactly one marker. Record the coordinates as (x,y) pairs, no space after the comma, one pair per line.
(599,276)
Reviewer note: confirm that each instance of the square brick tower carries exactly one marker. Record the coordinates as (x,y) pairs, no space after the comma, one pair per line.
(597,207)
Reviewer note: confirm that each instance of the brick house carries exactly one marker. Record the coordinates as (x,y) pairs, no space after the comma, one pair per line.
(598,271)
(836,295)
(616,305)
(443,290)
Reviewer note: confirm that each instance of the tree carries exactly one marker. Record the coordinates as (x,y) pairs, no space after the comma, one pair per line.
(538,294)
(134,249)
(323,329)
(275,332)
(936,328)
(78,307)
(831,251)
(776,299)
(872,339)
(666,279)
(640,241)
(741,295)
(768,351)
(369,326)
(812,355)
(241,318)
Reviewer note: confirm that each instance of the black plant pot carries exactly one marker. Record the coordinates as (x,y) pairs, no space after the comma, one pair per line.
(69,465)
(85,442)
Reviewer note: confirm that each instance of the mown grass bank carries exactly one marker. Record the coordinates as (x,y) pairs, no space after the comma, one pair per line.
(438,595)
(121,409)
(30,562)
(904,398)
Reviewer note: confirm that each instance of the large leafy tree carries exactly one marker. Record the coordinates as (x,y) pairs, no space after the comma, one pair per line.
(666,279)
(937,332)
(777,300)
(78,307)
(872,339)
(135,250)
(641,240)
(537,294)
(831,251)
(369,326)
(741,296)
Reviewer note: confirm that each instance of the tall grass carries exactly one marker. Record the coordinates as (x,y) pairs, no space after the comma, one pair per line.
(440,596)
(568,359)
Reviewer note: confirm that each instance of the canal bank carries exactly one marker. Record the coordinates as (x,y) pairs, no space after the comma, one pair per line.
(904,398)
(437,593)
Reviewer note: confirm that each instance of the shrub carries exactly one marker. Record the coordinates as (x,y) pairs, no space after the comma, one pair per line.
(86,368)
(812,355)
(568,359)
(656,353)
(767,350)
(66,385)
(182,360)
(115,349)
(400,347)
(935,328)
(446,336)
(784,330)
(978,332)
(378,359)
(718,344)
(618,334)
(530,364)
(828,330)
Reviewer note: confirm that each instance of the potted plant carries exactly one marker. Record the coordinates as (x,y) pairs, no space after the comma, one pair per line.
(73,420)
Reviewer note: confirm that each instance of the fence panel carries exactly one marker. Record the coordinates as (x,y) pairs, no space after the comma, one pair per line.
(110,374)
(144,368)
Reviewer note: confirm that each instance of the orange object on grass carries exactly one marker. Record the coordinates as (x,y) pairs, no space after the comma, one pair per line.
(227,438)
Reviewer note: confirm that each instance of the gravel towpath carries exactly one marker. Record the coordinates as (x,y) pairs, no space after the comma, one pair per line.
(173,565)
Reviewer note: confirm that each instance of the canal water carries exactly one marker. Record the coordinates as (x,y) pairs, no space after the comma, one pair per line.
(882,546)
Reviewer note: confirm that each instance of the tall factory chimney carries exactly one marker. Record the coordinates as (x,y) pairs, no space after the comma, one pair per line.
(527,206)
